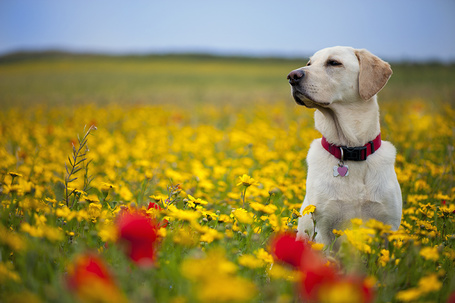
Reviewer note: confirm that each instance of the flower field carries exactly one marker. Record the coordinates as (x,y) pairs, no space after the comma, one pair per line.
(162,203)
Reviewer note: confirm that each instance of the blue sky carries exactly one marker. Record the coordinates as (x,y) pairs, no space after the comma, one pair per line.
(392,29)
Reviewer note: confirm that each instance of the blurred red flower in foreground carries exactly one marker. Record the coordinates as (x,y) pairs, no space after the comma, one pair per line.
(139,233)
(90,280)
(321,282)
(285,248)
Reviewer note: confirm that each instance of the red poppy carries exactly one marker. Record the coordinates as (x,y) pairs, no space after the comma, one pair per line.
(287,249)
(91,281)
(318,276)
(139,233)
(87,267)
(154,205)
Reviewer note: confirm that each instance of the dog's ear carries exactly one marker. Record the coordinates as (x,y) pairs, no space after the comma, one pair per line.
(374,73)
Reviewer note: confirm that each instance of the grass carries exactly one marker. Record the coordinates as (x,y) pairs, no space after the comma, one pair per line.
(178,134)
(182,80)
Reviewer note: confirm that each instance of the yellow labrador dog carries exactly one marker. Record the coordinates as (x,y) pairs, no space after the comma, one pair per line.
(350,169)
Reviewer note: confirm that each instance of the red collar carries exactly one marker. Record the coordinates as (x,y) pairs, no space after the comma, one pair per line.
(352,153)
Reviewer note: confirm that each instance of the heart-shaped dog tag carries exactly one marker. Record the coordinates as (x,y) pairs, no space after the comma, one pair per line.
(340,170)
(343,170)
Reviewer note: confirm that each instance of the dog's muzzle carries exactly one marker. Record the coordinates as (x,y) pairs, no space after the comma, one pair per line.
(296,76)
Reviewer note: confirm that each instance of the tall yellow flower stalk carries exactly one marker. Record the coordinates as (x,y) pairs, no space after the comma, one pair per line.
(246,181)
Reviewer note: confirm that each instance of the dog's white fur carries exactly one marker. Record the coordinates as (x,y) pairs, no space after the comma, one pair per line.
(344,94)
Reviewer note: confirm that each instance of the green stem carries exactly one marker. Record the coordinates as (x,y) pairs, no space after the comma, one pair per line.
(244,194)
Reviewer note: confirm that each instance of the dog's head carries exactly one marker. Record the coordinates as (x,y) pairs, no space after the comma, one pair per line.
(339,74)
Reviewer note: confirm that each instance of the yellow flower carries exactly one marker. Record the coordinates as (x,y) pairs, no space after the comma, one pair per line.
(426,225)
(341,292)
(190,204)
(107,232)
(406,225)
(277,223)
(263,255)
(125,193)
(53,234)
(268,209)
(185,215)
(12,239)
(430,253)
(214,264)
(7,273)
(379,226)
(210,235)
(225,219)
(356,222)
(44,231)
(421,184)
(317,246)
(408,295)
(441,196)
(215,279)
(309,210)
(360,238)
(157,198)
(243,216)
(94,211)
(425,285)
(15,188)
(14,174)
(447,211)
(295,213)
(66,213)
(107,186)
(197,201)
(414,199)
(427,210)
(429,283)
(278,271)
(32,231)
(81,215)
(184,237)
(247,181)
(229,233)
(226,288)
(162,232)
(92,198)
(337,233)
(251,261)
(449,253)
(384,258)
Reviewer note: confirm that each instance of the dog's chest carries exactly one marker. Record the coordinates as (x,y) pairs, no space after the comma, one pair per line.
(325,182)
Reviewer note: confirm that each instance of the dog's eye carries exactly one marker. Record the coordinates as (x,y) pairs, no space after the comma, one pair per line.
(333,63)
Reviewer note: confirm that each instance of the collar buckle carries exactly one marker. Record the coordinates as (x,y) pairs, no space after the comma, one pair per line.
(354,153)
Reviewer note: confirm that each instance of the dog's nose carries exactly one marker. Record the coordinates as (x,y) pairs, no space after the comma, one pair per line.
(295,76)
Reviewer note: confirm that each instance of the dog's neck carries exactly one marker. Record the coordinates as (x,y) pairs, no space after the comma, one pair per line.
(349,124)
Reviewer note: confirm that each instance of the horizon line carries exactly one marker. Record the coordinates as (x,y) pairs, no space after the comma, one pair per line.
(196,52)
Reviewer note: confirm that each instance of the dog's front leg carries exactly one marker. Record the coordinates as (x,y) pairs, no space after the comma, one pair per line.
(305,227)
